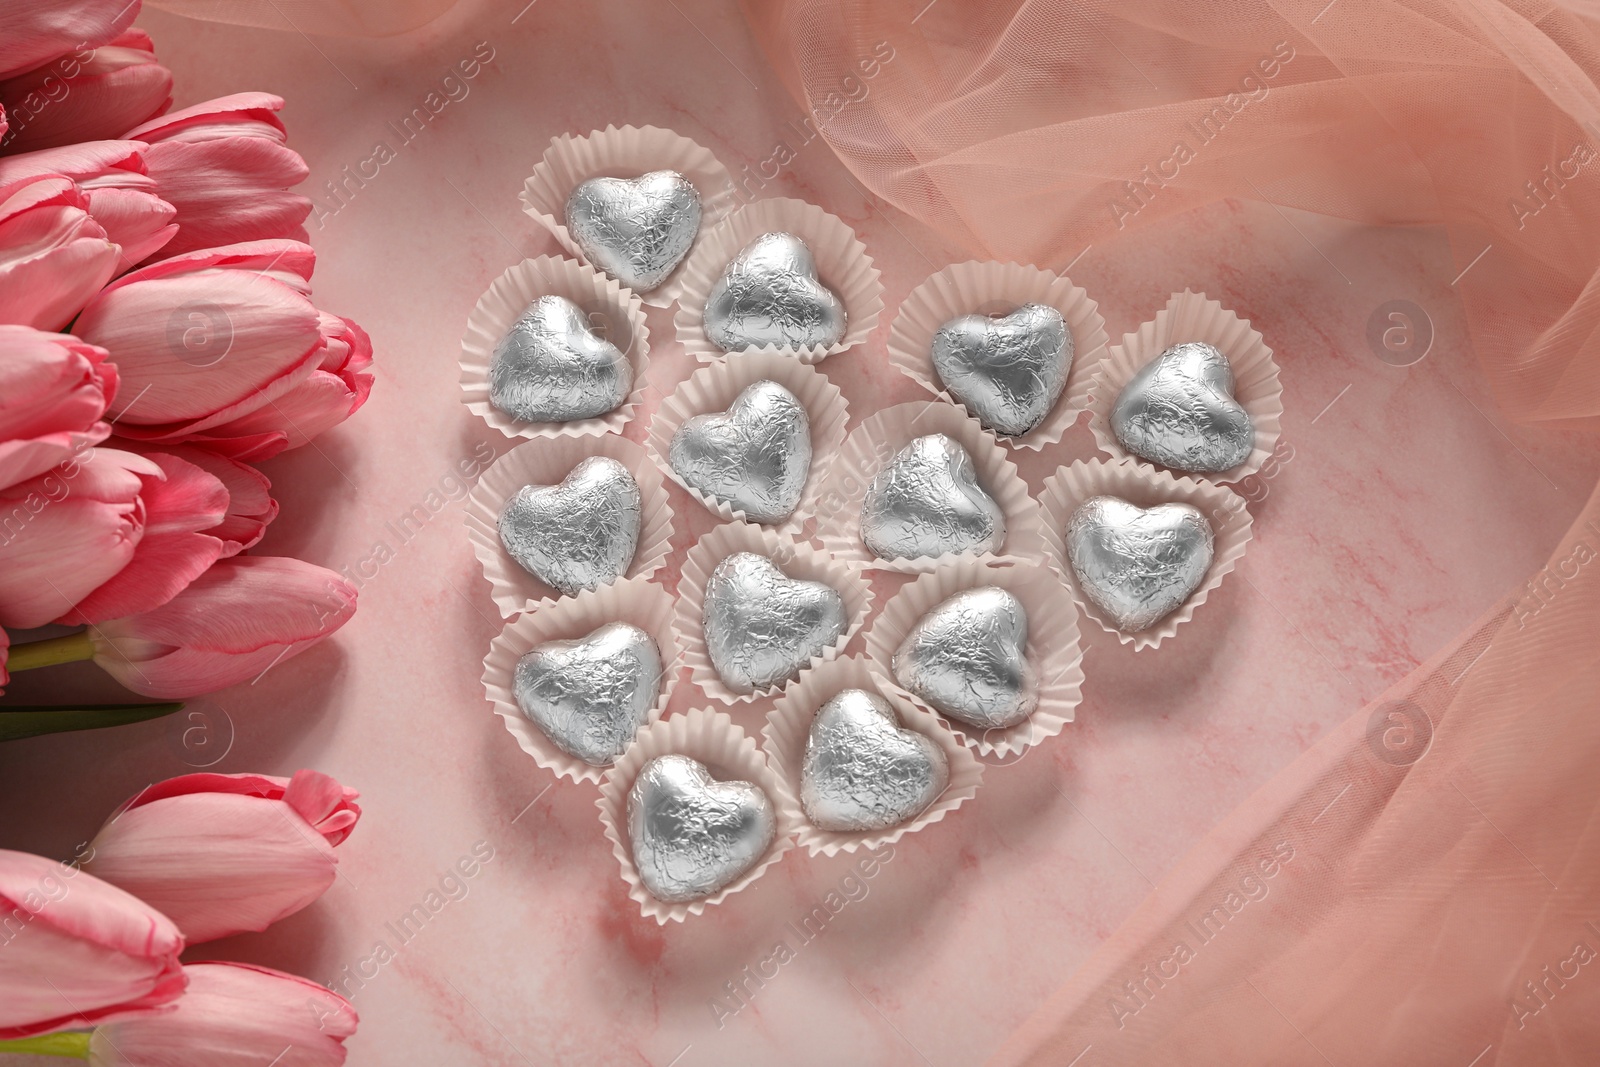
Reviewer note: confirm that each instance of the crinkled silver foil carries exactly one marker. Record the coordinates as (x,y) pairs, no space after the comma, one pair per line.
(591,695)
(761,626)
(1138,564)
(927,502)
(692,834)
(635,229)
(580,534)
(755,456)
(861,771)
(770,295)
(1007,370)
(549,367)
(968,658)
(1179,411)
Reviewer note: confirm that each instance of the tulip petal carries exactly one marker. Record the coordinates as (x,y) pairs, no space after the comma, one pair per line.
(324,803)
(117,86)
(57,555)
(250,504)
(31,457)
(230,190)
(259,109)
(36,33)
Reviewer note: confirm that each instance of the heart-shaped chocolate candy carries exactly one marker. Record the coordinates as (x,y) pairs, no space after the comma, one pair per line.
(549,367)
(927,502)
(770,295)
(755,456)
(1007,370)
(861,771)
(692,834)
(580,534)
(635,229)
(1138,564)
(591,695)
(1179,411)
(761,626)
(968,658)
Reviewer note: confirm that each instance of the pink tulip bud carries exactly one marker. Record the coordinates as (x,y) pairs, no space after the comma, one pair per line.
(234,1015)
(75,950)
(226,168)
(54,389)
(220,854)
(123,197)
(250,505)
(88,94)
(230,625)
(53,255)
(37,31)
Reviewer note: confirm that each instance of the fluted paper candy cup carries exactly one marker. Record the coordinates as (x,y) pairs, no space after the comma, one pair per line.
(634,601)
(1054,651)
(1191,316)
(712,388)
(842,265)
(615,314)
(713,739)
(797,561)
(547,463)
(1146,487)
(628,152)
(789,724)
(875,442)
(989,288)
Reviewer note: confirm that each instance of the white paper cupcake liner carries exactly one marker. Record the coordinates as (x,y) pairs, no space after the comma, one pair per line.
(1190,316)
(624,153)
(1145,486)
(988,288)
(615,312)
(874,443)
(713,739)
(713,388)
(796,560)
(634,601)
(547,463)
(789,724)
(1053,649)
(842,265)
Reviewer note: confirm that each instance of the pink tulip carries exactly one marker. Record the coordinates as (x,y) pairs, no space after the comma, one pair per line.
(250,504)
(233,1015)
(123,197)
(90,94)
(230,625)
(53,391)
(224,165)
(53,255)
(75,950)
(37,31)
(206,338)
(220,854)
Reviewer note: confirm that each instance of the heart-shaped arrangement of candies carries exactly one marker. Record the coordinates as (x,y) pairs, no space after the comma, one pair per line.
(692,832)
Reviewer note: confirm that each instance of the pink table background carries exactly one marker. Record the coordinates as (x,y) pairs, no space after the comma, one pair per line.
(1407,507)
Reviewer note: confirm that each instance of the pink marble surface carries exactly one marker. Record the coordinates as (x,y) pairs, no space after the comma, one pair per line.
(1407,507)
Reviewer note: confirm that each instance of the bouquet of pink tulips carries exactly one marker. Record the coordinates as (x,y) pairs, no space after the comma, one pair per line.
(89,950)
(157,336)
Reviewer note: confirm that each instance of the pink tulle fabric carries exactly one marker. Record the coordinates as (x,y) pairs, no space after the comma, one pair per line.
(1423,886)
(332,18)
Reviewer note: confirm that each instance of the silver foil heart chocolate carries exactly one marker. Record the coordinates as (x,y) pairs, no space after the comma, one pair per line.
(770,295)
(968,658)
(1179,411)
(761,626)
(635,229)
(861,771)
(1007,370)
(692,834)
(591,695)
(580,534)
(549,367)
(755,456)
(1138,564)
(927,502)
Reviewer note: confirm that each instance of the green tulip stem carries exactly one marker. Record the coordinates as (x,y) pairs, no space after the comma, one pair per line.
(68,1043)
(68,649)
